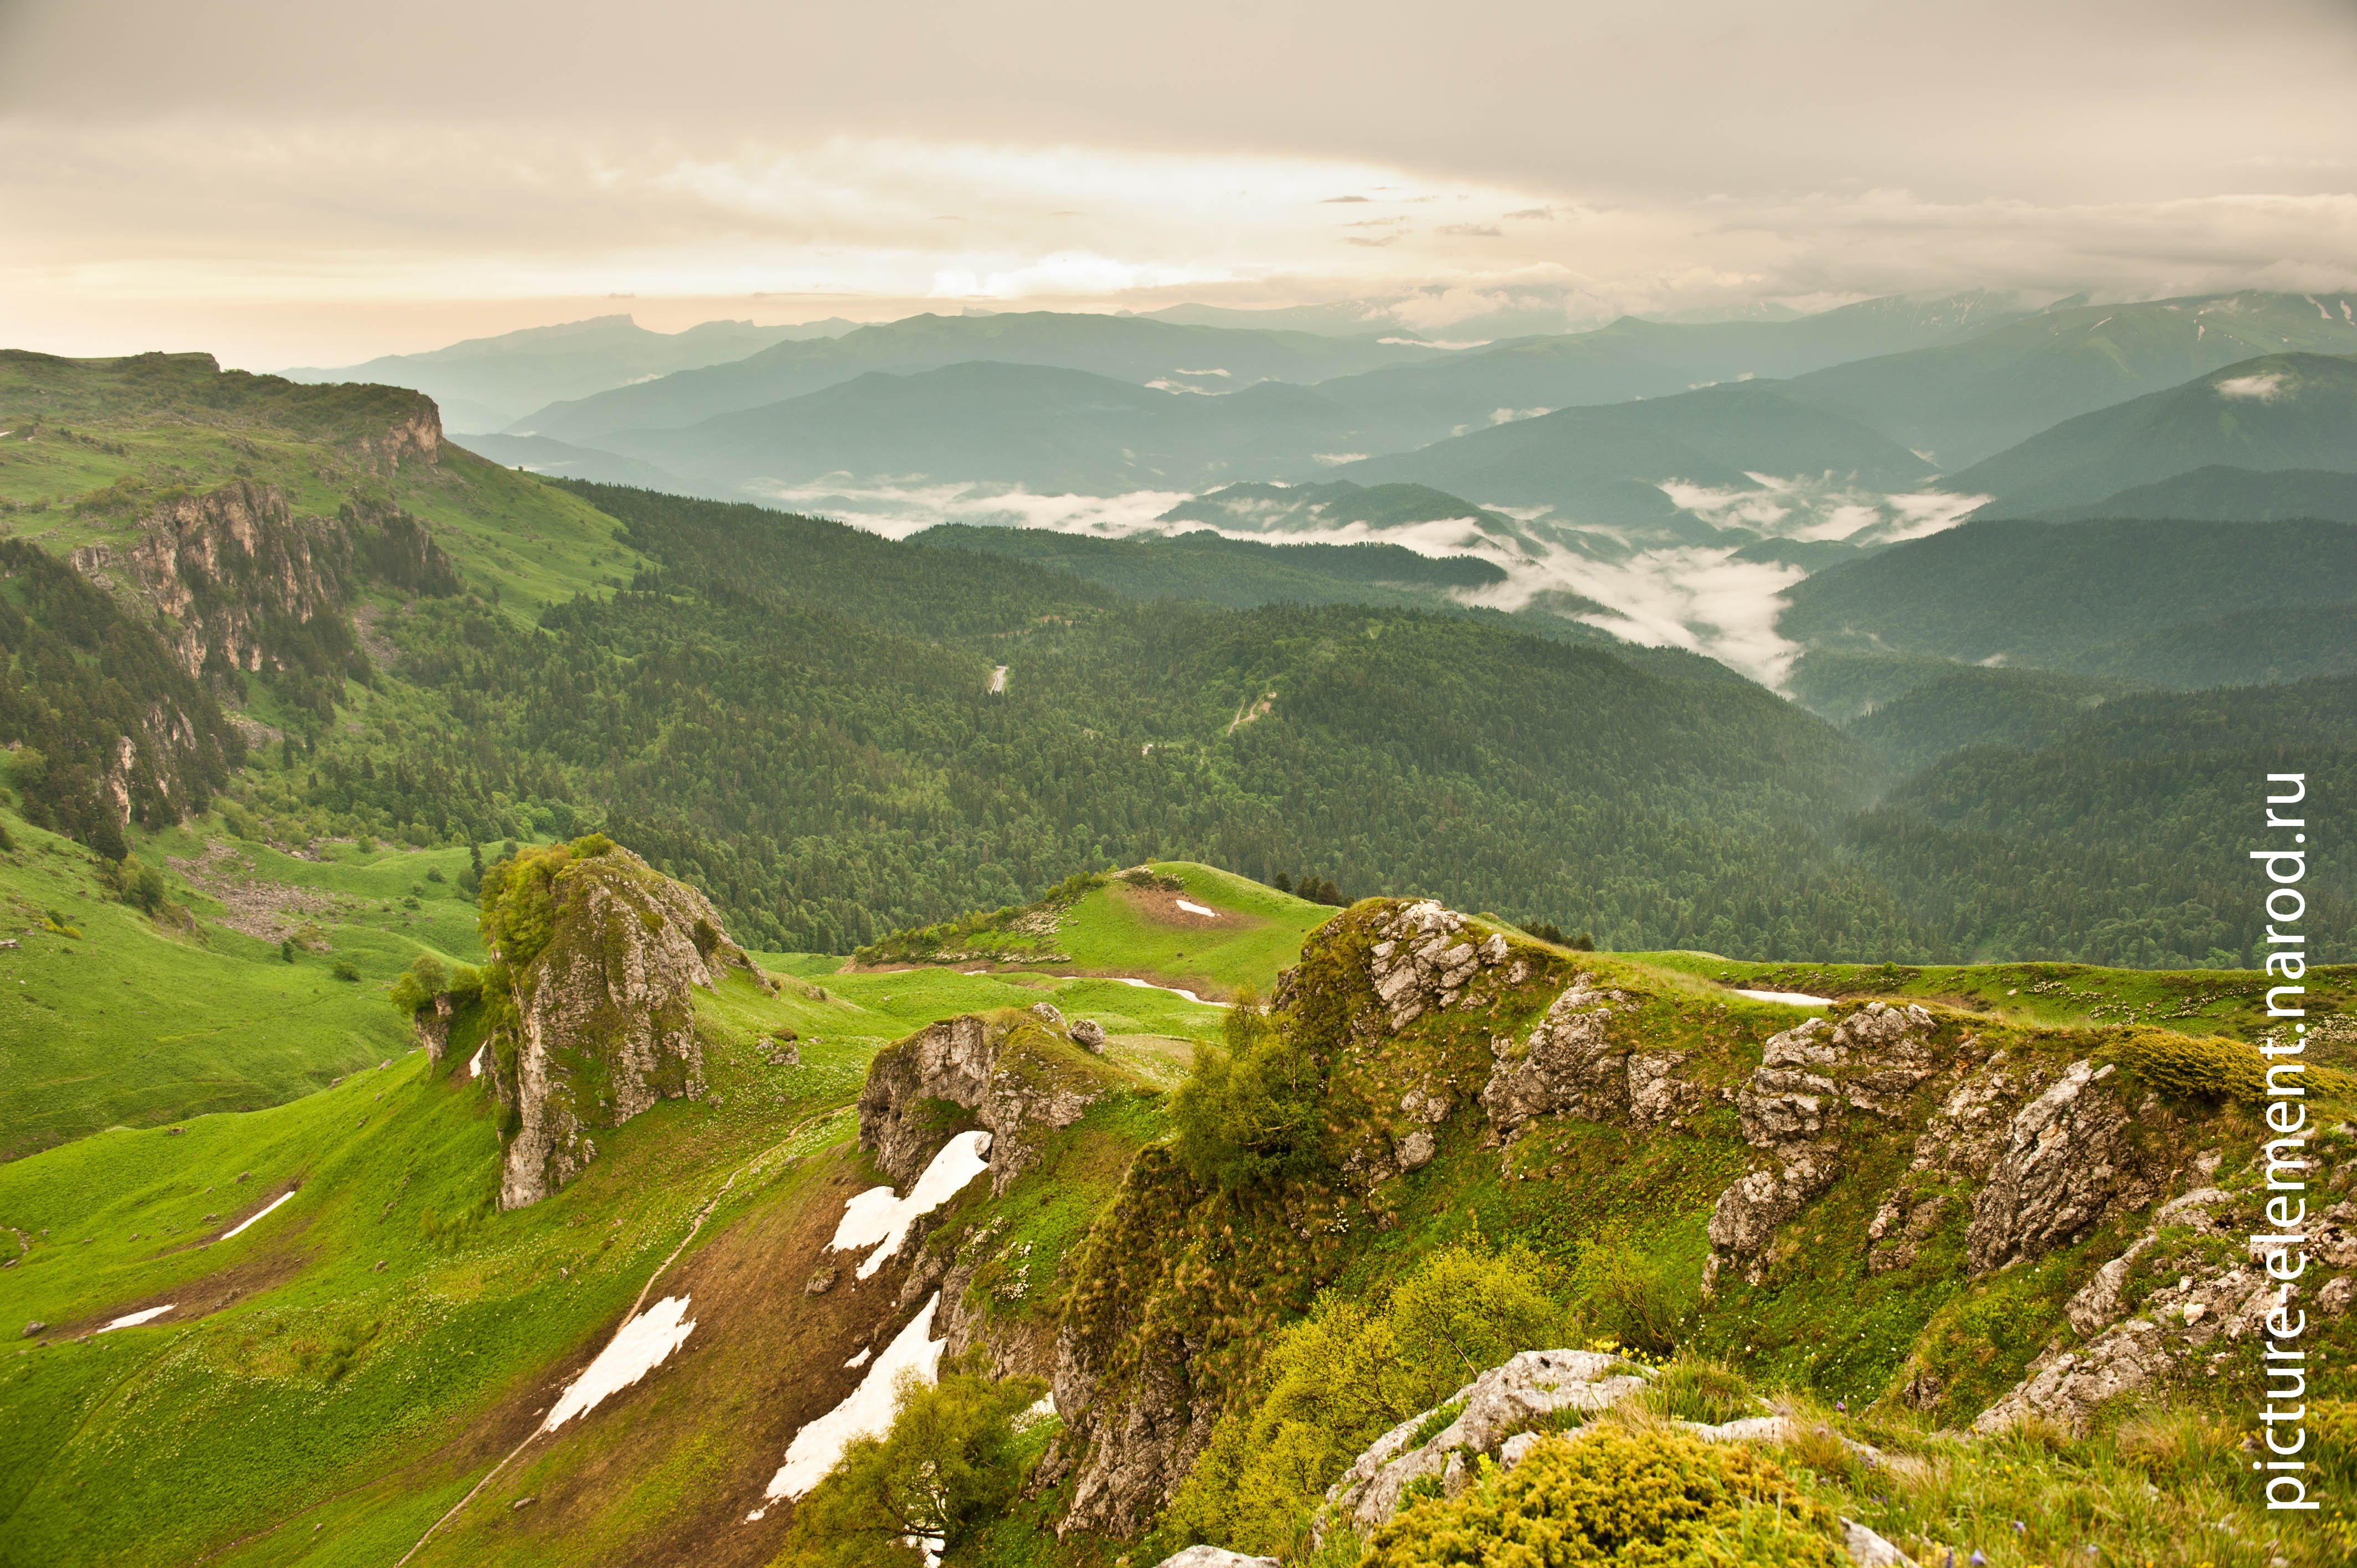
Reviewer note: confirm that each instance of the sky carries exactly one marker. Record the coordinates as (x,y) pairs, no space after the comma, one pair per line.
(315,182)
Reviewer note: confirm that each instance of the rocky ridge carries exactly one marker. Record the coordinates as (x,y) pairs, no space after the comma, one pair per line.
(2006,1154)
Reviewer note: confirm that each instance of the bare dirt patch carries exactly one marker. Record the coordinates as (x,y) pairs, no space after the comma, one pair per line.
(1166,908)
(766,1358)
(254,906)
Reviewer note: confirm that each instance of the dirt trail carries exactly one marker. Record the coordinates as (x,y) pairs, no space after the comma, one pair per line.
(999,682)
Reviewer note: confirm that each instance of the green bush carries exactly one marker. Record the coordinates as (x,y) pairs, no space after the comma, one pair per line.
(1660,1501)
(344,970)
(1253,1108)
(420,984)
(1341,1378)
(1636,1297)
(1691,1389)
(948,1466)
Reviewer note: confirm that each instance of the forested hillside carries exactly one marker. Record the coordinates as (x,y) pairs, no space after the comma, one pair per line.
(840,735)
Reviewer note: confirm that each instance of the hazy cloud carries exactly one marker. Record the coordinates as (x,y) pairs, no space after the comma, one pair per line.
(309,180)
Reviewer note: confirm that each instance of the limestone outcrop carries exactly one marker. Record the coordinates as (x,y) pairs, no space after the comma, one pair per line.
(1809,1077)
(1422,962)
(603,1020)
(1570,1065)
(2178,1328)
(1492,1408)
(2068,1163)
(1015,1074)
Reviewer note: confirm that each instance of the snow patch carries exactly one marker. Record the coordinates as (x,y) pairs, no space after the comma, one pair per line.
(867,1412)
(637,1348)
(1174,990)
(1196,908)
(860,1360)
(475,1062)
(877,1218)
(134,1319)
(1789,998)
(251,1217)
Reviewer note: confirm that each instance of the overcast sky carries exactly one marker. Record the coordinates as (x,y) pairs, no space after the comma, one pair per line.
(312,182)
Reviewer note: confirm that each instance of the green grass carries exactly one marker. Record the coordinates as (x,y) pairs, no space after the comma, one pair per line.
(321,1373)
(137,1023)
(2194,1002)
(1119,928)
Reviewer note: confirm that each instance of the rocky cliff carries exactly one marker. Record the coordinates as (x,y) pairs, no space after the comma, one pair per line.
(1024,1075)
(599,956)
(1901,1159)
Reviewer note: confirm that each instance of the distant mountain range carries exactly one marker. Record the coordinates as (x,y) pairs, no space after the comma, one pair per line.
(2219,493)
(1960,402)
(485,383)
(2156,603)
(1605,465)
(2276,412)
(1202,360)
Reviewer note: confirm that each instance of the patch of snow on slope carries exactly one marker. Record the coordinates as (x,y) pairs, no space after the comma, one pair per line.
(475,1062)
(2265,389)
(877,1218)
(867,1412)
(251,1217)
(1791,998)
(134,1319)
(637,1348)
(860,1360)
(1196,908)
(1174,990)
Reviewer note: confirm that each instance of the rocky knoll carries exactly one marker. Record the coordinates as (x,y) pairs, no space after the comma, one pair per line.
(1012,1072)
(598,956)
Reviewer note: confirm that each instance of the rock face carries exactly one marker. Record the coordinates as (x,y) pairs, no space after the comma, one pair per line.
(1808,1078)
(1493,1408)
(1421,962)
(2177,1328)
(604,1022)
(2067,1164)
(1569,1064)
(1013,1074)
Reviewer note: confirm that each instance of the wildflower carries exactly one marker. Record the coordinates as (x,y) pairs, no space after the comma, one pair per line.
(1976,1560)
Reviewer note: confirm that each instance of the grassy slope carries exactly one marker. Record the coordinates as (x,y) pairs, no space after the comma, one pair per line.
(535,542)
(1116,929)
(315,1375)
(137,1022)
(298,1385)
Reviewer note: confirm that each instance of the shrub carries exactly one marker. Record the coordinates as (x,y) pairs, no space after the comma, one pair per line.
(1252,1110)
(1635,1297)
(420,984)
(949,1465)
(234,818)
(344,970)
(1348,1373)
(1665,1501)
(2194,1069)
(1691,1389)
(287,950)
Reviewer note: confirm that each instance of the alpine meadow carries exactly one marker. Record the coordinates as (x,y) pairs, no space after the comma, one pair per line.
(891,790)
